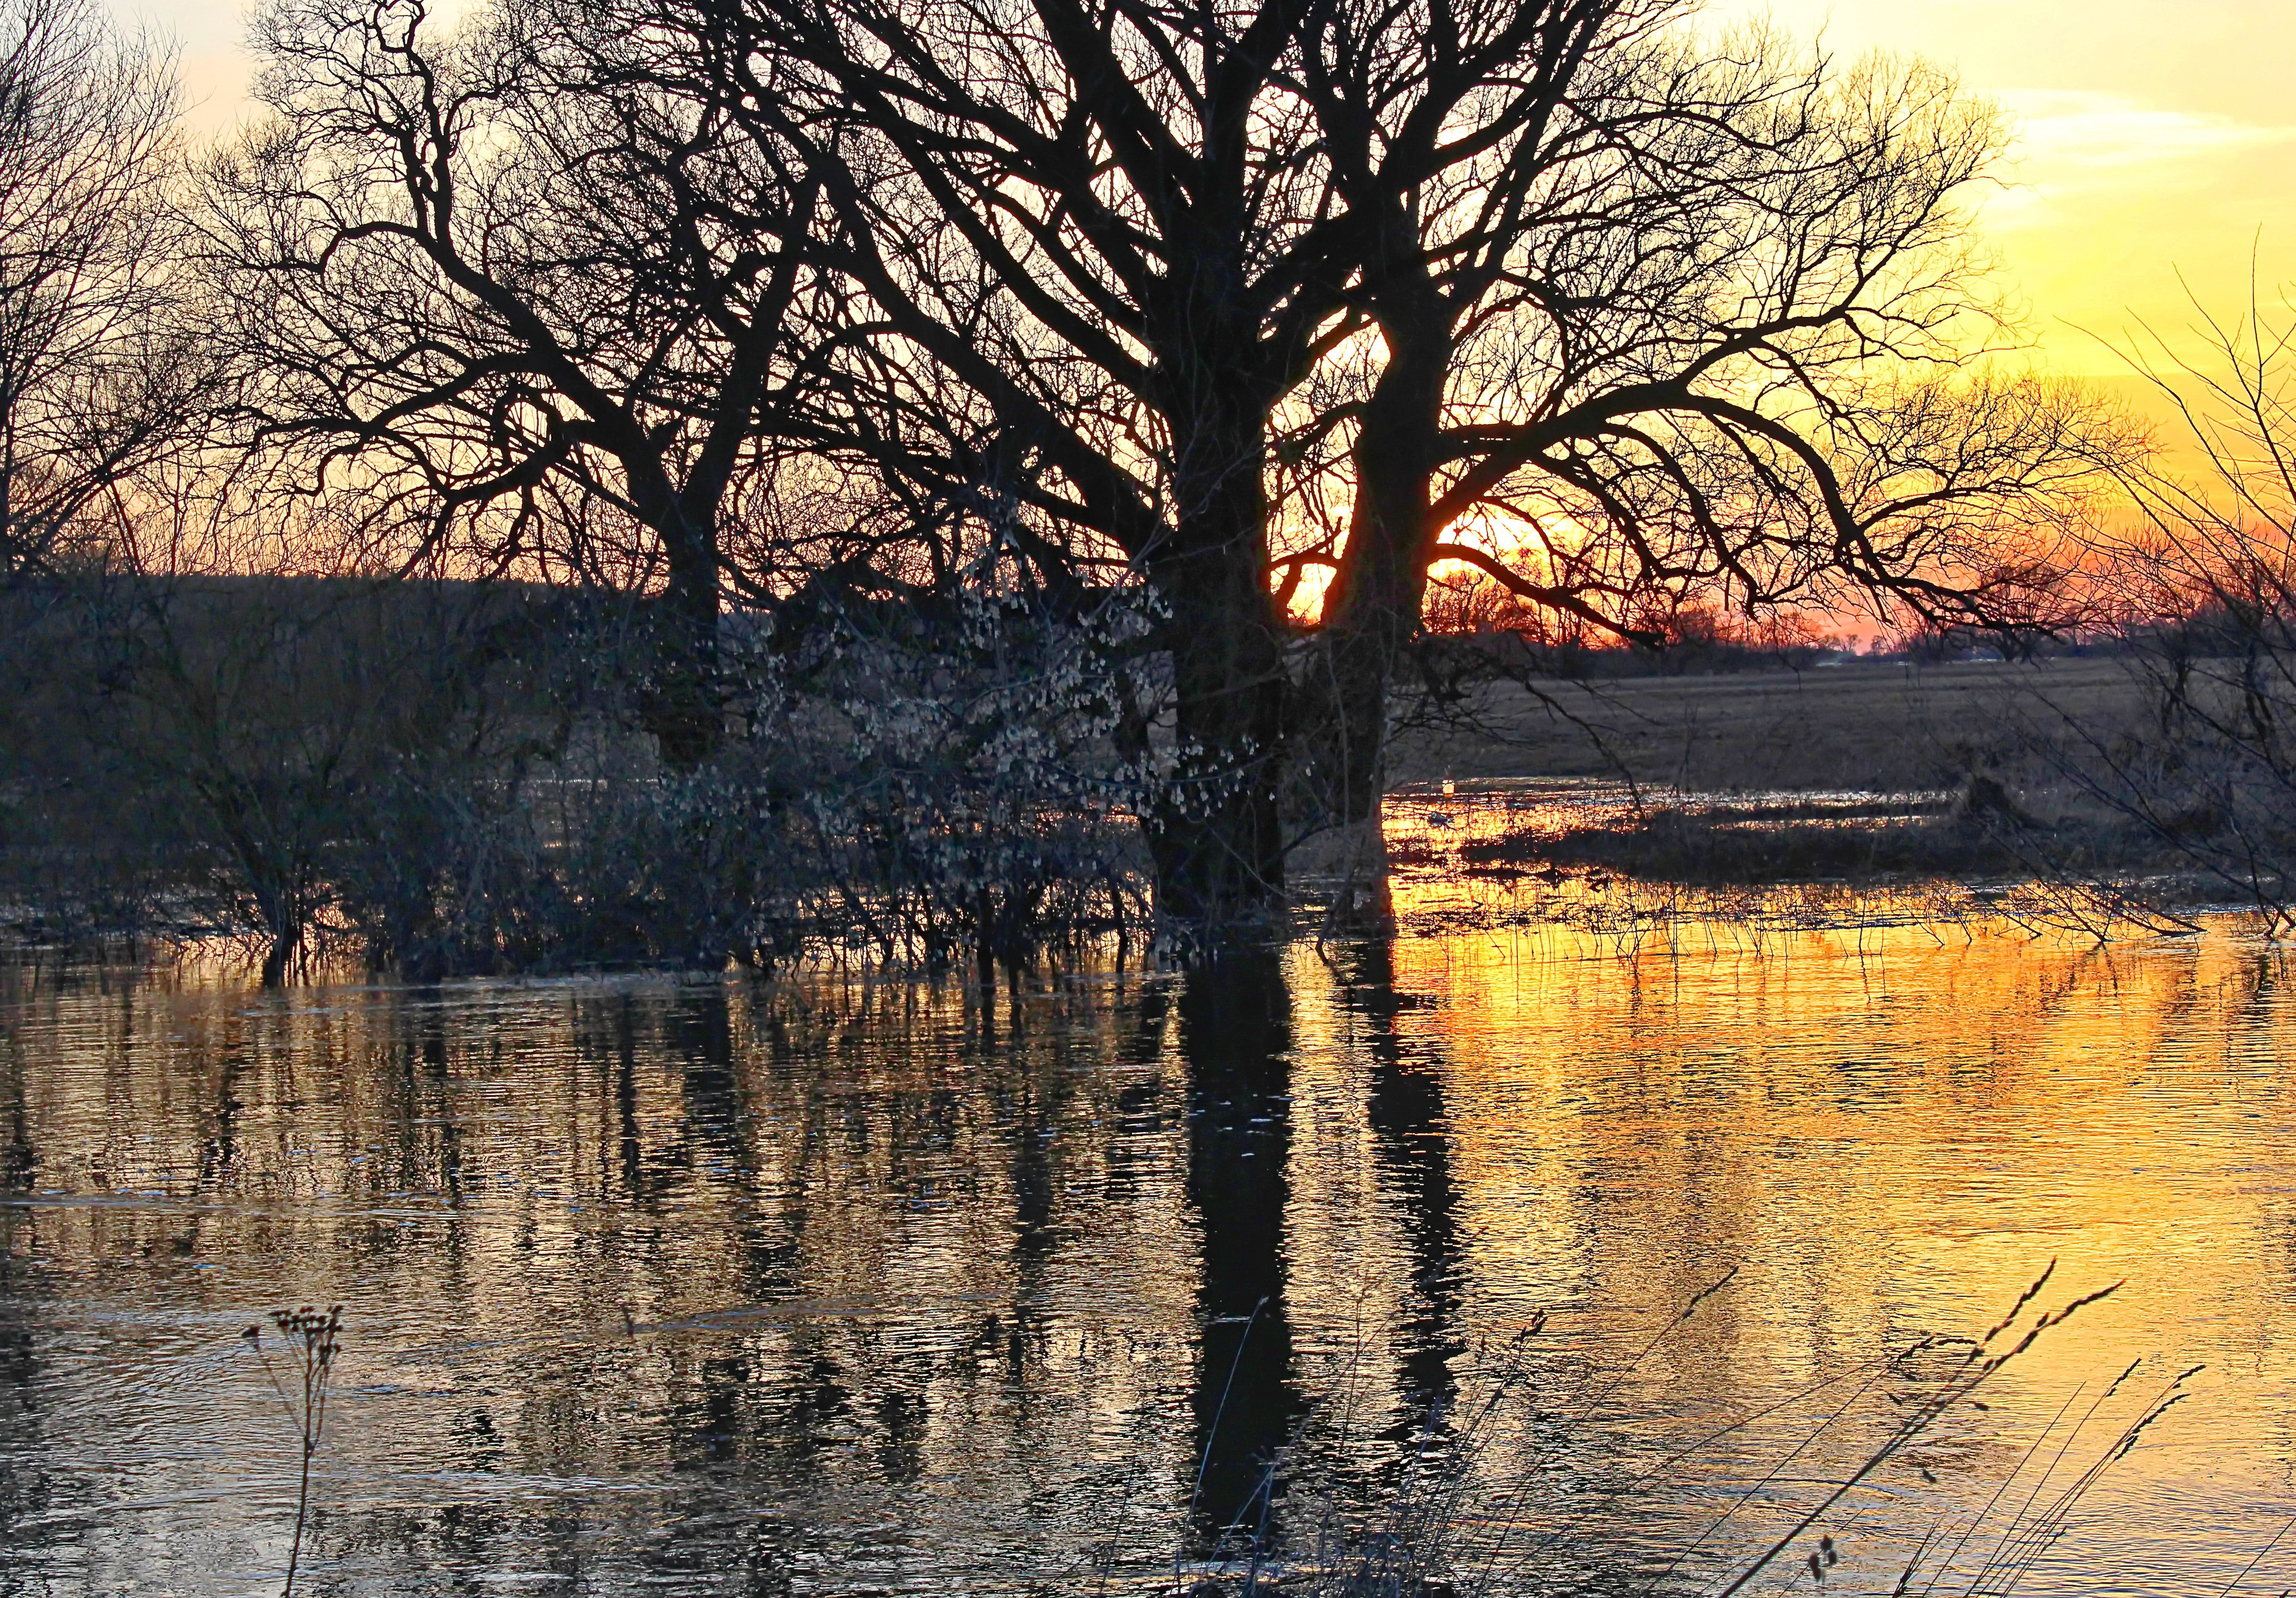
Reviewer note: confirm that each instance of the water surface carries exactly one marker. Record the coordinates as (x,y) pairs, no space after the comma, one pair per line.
(705,1286)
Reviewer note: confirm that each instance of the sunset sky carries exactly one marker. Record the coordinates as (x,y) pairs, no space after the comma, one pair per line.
(2154,139)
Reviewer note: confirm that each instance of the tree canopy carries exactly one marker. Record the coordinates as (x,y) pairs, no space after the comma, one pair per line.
(734,299)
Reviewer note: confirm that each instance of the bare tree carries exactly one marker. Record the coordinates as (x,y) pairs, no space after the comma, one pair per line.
(1621,313)
(1664,318)
(2202,557)
(529,308)
(98,375)
(1096,245)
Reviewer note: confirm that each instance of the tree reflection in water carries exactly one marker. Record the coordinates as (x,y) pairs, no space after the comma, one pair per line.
(1236,1036)
(1252,1406)
(736,1288)
(1412,1138)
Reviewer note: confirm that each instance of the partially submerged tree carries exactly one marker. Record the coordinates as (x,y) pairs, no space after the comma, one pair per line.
(1664,319)
(1094,246)
(1624,316)
(1103,294)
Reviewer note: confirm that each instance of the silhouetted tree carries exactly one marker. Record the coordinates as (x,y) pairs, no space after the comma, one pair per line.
(1663,318)
(99,379)
(1618,312)
(520,303)
(1097,248)
(1095,292)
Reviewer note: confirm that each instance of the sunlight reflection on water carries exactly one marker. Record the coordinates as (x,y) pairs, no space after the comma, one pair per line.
(721,1286)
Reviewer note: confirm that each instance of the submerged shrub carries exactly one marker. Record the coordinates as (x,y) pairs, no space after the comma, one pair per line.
(974,769)
(446,778)
(897,784)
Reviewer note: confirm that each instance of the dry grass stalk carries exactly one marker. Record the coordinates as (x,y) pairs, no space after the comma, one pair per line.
(1445,1528)
(312,1338)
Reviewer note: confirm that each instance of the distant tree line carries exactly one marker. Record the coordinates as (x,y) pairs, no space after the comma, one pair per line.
(949,410)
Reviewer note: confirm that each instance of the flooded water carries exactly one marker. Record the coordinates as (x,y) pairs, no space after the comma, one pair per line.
(710,1286)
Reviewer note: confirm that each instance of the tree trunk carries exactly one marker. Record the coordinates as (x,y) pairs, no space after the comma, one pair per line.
(280,956)
(682,705)
(1216,836)
(1369,615)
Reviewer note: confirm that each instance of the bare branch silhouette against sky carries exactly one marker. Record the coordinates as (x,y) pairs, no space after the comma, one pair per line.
(2140,151)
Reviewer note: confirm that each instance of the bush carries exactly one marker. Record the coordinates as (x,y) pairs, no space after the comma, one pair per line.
(447,778)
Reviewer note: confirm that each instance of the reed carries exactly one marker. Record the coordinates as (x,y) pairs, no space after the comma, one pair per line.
(1462,1521)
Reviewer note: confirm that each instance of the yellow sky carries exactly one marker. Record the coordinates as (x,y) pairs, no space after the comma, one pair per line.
(2152,139)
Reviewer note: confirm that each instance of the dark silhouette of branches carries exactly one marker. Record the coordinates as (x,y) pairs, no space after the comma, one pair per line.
(2202,559)
(791,297)
(99,379)
(1667,318)
(531,309)
(1093,246)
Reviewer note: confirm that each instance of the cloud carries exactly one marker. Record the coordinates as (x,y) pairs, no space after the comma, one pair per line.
(2074,146)
(2074,129)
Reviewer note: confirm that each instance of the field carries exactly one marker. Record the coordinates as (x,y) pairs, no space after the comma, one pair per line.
(1884,727)
(1756,777)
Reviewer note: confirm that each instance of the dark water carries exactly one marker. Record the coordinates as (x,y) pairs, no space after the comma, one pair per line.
(708,1286)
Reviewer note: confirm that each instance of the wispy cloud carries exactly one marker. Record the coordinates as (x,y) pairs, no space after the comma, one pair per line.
(2072,145)
(2072,129)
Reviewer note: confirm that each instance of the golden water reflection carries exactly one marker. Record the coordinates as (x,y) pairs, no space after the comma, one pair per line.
(833,1286)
